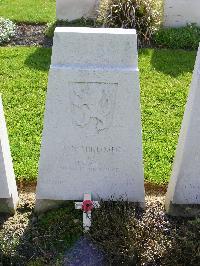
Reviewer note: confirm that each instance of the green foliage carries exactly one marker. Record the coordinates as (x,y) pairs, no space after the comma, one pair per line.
(178,38)
(37,241)
(165,76)
(7,30)
(185,248)
(49,32)
(143,15)
(23,79)
(62,23)
(28,10)
(64,224)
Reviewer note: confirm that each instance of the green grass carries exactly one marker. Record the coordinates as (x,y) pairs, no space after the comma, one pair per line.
(43,242)
(23,79)
(165,78)
(28,10)
(187,37)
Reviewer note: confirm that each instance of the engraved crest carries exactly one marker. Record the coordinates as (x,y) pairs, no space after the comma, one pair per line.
(93,104)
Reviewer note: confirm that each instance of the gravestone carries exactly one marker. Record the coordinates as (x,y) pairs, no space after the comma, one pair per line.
(8,188)
(76,9)
(92,128)
(183,195)
(179,13)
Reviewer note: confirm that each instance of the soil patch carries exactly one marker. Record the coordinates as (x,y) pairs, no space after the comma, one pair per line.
(34,34)
(30,35)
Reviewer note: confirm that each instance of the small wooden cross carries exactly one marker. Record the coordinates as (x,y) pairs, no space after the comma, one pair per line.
(87,206)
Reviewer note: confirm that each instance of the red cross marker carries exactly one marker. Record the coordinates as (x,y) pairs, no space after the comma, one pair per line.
(87,206)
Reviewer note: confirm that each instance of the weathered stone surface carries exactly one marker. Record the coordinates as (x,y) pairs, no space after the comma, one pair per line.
(179,13)
(8,189)
(92,129)
(76,9)
(184,187)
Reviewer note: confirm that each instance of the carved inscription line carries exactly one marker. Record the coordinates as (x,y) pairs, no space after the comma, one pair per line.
(96,149)
(90,82)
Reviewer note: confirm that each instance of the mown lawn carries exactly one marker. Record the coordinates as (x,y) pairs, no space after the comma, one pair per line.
(34,11)
(165,77)
(23,80)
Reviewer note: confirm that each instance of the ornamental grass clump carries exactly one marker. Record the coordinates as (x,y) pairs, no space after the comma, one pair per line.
(142,15)
(7,30)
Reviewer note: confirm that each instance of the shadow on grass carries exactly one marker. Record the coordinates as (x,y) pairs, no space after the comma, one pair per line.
(170,62)
(40,59)
(173,62)
(31,240)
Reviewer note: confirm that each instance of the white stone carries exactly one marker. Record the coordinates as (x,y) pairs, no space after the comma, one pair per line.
(92,129)
(76,9)
(8,188)
(184,186)
(179,13)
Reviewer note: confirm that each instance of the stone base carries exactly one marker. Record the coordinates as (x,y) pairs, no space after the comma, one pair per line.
(184,210)
(7,205)
(44,205)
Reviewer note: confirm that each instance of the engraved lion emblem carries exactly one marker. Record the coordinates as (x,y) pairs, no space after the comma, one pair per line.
(92,105)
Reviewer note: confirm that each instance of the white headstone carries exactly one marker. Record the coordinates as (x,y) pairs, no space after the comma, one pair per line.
(183,195)
(179,13)
(76,9)
(92,129)
(8,188)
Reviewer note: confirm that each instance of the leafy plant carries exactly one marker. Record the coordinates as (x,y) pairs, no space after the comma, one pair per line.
(7,30)
(178,38)
(143,15)
(64,23)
